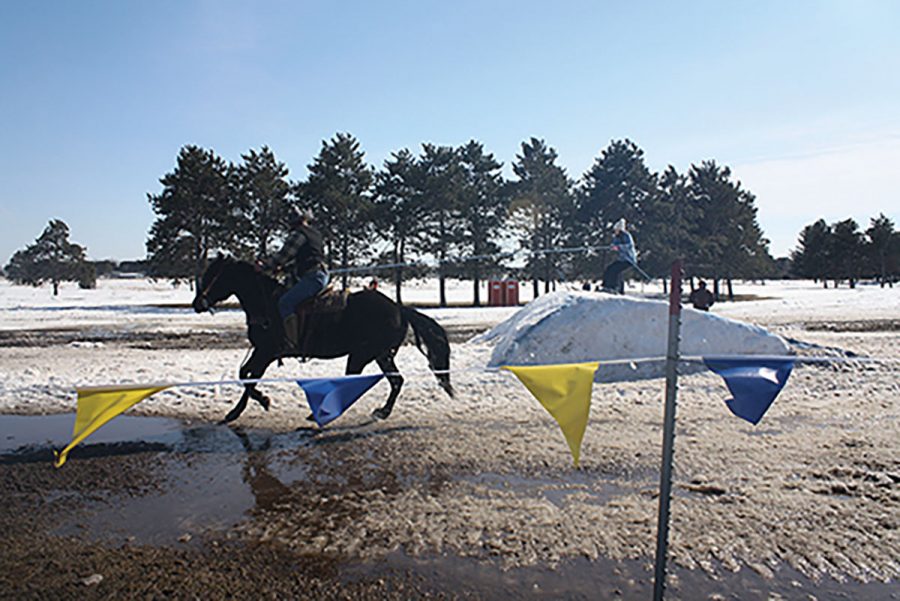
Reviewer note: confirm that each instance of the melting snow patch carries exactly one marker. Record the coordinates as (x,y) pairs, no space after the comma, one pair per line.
(569,327)
(86,344)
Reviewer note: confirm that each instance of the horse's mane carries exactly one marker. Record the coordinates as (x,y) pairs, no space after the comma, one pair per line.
(245,269)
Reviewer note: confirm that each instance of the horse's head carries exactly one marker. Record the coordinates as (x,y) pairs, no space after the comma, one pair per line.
(213,287)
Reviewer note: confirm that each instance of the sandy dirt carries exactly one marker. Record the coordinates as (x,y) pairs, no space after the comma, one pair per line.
(450,497)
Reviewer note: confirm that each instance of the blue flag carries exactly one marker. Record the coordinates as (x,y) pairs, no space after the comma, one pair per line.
(328,398)
(754,383)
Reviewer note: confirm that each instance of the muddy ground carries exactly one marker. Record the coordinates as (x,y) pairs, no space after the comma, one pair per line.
(230,338)
(473,497)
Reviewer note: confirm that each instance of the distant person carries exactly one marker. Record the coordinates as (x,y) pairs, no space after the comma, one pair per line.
(586,286)
(701,297)
(623,244)
(302,259)
(373,284)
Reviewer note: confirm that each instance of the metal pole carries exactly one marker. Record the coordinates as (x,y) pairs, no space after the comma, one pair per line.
(642,272)
(665,472)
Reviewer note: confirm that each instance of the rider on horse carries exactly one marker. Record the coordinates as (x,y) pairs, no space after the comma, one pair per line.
(302,259)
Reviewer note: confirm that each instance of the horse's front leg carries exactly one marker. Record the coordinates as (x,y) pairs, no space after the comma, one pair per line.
(237,409)
(254,368)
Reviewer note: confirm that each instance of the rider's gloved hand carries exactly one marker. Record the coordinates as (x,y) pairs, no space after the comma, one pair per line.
(259,265)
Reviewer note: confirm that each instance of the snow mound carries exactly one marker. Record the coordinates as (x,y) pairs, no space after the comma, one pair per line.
(570,327)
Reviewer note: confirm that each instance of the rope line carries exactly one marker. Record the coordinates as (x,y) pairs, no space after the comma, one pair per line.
(452,261)
(629,361)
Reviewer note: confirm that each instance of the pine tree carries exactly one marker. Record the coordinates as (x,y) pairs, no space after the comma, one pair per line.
(618,185)
(880,234)
(541,203)
(261,195)
(893,259)
(194,216)
(747,254)
(729,240)
(669,231)
(399,209)
(848,252)
(441,187)
(813,255)
(482,211)
(339,192)
(52,258)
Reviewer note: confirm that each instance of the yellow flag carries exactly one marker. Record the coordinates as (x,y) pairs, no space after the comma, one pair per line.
(96,406)
(565,392)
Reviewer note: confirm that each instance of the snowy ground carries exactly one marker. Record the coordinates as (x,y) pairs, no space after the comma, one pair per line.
(816,485)
(124,302)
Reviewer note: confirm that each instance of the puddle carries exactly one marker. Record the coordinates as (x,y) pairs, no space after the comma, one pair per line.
(452,577)
(604,578)
(764,432)
(213,478)
(21,432)
(208,495)
(208,476)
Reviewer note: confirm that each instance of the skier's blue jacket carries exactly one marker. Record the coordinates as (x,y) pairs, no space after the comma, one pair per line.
(625,247)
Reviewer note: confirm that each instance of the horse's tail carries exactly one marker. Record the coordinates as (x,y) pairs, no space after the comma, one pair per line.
(437,347)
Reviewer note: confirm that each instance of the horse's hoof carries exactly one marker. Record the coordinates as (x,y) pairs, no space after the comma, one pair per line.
(229,418)
(381,413)
(265,402)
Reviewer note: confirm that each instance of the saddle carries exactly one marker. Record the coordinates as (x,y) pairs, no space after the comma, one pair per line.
(328,300)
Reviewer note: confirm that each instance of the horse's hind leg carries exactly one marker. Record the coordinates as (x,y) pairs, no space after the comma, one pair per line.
(386,363)
(357,361)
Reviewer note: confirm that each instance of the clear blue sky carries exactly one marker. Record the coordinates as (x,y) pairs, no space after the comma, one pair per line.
(800,98)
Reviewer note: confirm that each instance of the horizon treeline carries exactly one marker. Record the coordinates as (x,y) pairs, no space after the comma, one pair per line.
(840,251)
(453,207)
(450,212)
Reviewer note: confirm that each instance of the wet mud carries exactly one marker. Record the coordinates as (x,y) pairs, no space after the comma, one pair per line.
(472,498)
(862,325)
(157,507)
(153,339)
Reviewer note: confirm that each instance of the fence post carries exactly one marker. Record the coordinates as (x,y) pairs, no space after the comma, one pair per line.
(665,472)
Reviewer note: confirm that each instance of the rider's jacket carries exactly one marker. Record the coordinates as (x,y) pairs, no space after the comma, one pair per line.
(303,251)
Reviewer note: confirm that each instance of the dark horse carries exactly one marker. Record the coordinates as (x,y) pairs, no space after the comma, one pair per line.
(370,328)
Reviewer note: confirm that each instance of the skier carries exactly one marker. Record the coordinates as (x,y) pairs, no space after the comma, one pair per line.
(623,244)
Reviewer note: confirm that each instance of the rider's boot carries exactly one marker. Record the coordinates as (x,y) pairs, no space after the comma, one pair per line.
(291,332)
